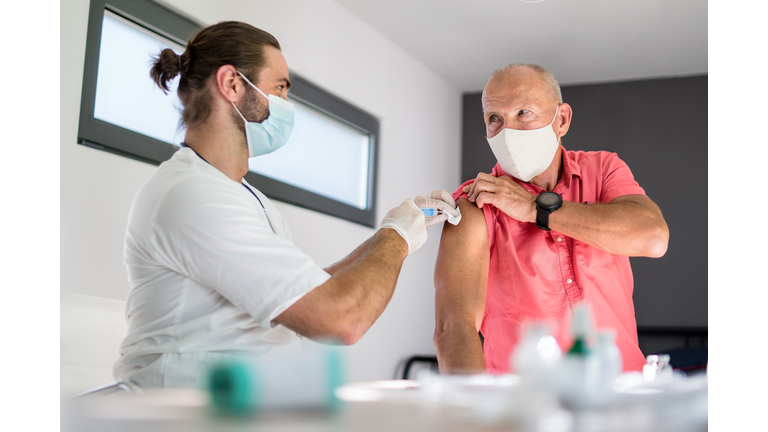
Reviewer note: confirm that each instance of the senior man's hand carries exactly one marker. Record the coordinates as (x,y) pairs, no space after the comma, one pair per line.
(505,194)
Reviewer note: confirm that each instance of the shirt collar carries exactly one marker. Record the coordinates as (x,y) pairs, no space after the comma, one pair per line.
(570,168)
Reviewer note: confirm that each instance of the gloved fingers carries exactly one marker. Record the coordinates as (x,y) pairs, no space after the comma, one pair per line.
(439,199)
(443,195)
(447,208)
(421,201)
(417,228)
(437,204)
(407,220)
(440,194)
(409,205)
(432,220)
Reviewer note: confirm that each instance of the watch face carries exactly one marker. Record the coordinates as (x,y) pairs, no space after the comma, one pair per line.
(548,199)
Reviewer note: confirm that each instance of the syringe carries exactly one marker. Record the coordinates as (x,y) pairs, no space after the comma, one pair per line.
(428,212)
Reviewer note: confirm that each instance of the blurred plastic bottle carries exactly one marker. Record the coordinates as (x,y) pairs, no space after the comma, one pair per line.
(609,359)
(580,328)
(535,360)
(579,371)
(650,368)
(665,369)
(304,380)
(537,351)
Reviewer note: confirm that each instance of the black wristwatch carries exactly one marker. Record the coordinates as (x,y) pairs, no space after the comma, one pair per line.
(546,203)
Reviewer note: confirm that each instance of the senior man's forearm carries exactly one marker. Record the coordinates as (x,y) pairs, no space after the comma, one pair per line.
(630,225)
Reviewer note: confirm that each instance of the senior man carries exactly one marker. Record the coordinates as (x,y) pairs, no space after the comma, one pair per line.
(547,229)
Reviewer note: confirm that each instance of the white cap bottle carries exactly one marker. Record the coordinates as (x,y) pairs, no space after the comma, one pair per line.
(609,359)
(650,368)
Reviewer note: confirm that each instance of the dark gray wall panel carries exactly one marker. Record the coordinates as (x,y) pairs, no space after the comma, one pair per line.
(659,128)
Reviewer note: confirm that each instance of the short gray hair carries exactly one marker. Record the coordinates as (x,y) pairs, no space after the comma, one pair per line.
(550,83)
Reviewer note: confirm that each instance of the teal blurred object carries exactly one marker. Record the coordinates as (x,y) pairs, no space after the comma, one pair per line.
(233,388)
(288,381)
(429,212)
(335,363)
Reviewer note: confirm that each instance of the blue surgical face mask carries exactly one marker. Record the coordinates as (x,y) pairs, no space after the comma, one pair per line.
(273,132)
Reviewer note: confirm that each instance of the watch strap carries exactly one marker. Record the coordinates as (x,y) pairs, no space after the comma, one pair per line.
(542,218)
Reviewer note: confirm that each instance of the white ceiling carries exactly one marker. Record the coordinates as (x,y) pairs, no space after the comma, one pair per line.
(580,41)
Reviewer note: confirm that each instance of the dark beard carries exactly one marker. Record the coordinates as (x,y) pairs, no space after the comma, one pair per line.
(253,108)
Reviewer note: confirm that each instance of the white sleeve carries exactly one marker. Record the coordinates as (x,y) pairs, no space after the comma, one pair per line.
(217,237)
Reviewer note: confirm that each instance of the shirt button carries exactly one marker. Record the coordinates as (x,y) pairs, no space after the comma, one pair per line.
(559,239)
(570,281)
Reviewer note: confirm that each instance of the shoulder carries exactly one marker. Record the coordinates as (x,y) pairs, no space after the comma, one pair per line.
(465,245)
(471,231)
(471,214)
(595,162)
(181,189)
(590,157)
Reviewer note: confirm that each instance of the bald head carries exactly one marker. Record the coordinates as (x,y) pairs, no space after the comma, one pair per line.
(533,73)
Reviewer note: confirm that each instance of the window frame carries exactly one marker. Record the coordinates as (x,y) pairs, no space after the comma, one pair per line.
(114,139)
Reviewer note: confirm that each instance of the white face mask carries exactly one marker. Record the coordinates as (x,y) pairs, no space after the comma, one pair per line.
(524,154)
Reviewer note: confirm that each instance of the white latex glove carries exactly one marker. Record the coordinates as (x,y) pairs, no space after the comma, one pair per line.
(408,220)
(440,200)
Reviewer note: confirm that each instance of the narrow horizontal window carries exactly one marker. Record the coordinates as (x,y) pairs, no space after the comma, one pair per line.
(327,165)
(322,155)
(125,95)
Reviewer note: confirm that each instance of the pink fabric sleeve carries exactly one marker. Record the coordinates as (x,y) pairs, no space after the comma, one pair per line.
(488,211)
(617,179)
(459,193)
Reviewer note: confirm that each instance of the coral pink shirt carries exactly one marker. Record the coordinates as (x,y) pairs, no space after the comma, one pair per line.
(539,275)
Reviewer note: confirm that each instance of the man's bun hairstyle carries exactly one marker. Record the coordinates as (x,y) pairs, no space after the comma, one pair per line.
(165,67)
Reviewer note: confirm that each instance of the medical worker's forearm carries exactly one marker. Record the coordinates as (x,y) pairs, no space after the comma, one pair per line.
(366,284)
(355,254)
(629,225)
(343,308)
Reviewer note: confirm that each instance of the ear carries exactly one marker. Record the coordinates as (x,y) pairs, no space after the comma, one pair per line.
(564,112)
(229,84)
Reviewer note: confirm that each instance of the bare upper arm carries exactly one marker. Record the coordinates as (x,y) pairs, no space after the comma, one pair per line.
(461,270)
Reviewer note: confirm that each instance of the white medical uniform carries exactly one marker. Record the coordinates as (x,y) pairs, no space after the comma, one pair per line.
(209,270)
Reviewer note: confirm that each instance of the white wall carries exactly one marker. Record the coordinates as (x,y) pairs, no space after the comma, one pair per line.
(322,41)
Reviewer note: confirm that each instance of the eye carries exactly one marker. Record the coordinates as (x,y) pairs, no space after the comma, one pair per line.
(493,118)
(523,112)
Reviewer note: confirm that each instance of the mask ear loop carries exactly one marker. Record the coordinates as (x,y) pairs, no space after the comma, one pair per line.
(257,89)
(557,110)
(252,85)
(238,112)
